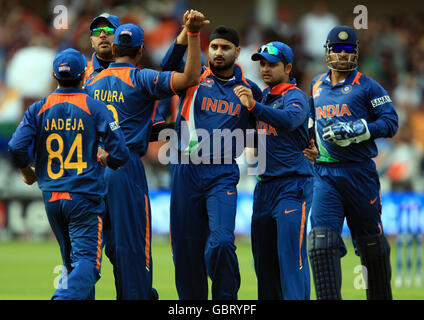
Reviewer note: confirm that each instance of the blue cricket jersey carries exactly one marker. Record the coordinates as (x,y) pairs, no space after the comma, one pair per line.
(358,97)
(64,129)
(211,118)
(131,94)
(283,116)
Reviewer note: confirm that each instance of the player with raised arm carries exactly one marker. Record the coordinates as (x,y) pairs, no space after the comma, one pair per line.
(64,130)
(283,194)
(130,94)
(203,188)
(350,110)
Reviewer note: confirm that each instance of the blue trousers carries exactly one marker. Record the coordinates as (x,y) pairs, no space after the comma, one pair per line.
(76,221)
(350,191)
(128,230)
(203,211)
(278,232)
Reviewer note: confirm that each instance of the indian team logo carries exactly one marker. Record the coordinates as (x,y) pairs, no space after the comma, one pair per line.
(343,35)
(347,89)
(207,83)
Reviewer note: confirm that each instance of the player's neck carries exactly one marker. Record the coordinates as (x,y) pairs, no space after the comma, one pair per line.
(337,76)
(126,60)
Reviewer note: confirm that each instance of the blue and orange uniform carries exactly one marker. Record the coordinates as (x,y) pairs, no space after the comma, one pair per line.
(131,94)
(347,183)
(283,194)
(64,129)
(204,180)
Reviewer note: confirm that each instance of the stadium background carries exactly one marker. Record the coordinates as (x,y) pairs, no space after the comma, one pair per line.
(391,51)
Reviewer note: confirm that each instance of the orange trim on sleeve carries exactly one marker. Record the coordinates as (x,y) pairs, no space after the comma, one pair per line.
(172,82)
(147,247)
(60,195)
(154,110)
(254,104)
(185,110)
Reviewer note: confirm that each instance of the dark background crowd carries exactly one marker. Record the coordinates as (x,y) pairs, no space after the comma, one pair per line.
(391,51)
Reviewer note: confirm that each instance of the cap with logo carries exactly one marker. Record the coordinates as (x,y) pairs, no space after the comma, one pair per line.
(274,52)
(135,33)
(105,17)
(69,64)
(342,35)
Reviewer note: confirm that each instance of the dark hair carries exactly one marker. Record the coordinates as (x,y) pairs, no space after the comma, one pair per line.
(121,51)
(70,83)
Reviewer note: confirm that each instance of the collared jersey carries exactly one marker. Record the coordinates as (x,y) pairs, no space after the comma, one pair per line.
(64,129)
(131,94)
(211,121)
(283,115)
(93,68)
(358,97)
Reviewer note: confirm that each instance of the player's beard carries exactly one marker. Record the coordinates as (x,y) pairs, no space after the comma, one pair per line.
(220,67)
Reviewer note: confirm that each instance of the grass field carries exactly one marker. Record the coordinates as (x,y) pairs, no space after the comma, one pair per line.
(27,272)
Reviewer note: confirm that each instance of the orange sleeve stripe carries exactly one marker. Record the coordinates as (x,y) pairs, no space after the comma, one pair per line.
(154,110)
(77,99)
(172,82)
(185,111)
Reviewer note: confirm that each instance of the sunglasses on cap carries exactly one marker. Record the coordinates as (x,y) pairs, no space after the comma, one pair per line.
(274,51)
(339,49)
(107,30)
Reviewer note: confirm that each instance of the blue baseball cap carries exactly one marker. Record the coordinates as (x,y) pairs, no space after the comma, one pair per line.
(344,35)
(135,33)
(106,17)
(69,64)
(273,52)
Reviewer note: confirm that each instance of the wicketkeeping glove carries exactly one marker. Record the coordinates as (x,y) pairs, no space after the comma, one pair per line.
(344,133)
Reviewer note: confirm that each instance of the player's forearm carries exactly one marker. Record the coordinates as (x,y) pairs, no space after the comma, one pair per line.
(190,76)
(281,119)
(174,58)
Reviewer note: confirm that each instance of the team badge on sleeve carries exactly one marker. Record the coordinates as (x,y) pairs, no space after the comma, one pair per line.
(114,125)
(379,101)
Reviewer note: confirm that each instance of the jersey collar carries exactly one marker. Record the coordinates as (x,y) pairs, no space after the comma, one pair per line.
(121,65)
(281,88)
(349,80)
(69,90)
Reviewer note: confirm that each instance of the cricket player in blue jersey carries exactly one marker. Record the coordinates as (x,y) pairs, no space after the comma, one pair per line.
(131,94)
(350,111)
(204,179)
(283,194)
(65,129)
(102,30)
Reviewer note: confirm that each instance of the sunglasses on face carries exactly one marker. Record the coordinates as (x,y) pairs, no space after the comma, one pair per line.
(347,49)
(107,30)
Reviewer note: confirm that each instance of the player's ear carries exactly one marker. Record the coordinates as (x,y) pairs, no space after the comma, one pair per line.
(288,68)
(54,77)
(140,51)
(237,52)
(92,43)
(113,49)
